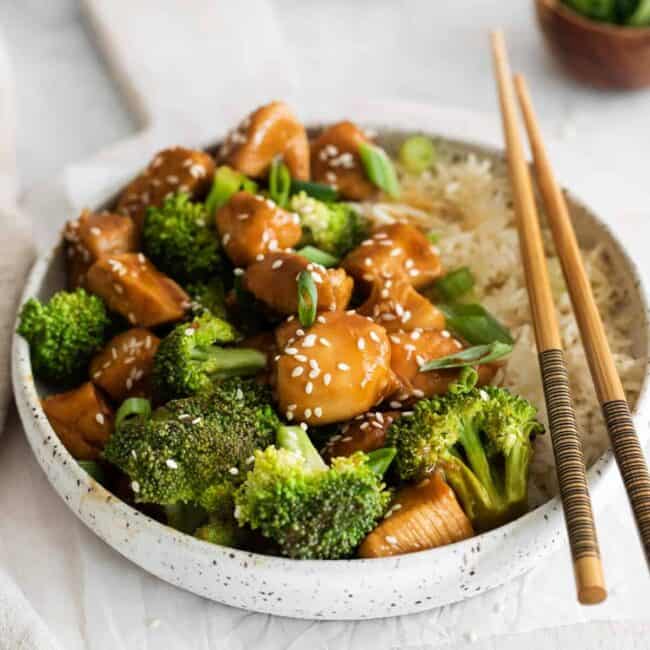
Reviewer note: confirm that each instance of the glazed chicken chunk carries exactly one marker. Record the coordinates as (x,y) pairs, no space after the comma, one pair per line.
(273,280)
(420,517)
(396,306)
(365,433)
(270,131)
(250,226)
(93,235)
(337,369)
(335,161)
(82,419)
(123,367)
(172,170)
(397,251)
(134,288)
(410,350)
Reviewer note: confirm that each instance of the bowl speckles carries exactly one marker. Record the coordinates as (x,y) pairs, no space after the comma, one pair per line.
(353,589)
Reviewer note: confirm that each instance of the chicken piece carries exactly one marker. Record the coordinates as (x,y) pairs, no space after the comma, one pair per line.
(273,280)
(251,226)
(93,235)
(409,350)
(172,170)
(397,306)
(82,419)
(394,252)
(335,160)
(422,516)
(366,433)
(123,368)
(270,131)
(337,369)
(132,286)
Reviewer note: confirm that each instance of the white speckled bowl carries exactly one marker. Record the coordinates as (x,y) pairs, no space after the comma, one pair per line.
(352,589)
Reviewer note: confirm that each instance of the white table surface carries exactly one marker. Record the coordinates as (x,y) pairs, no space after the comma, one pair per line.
(68,108)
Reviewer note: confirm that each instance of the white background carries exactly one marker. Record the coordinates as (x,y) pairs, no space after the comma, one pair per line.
(432,51)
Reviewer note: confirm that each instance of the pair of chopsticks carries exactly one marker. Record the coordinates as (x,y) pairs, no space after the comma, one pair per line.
(567,446)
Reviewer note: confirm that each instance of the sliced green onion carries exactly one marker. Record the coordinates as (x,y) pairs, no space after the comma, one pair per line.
(455,284)
(318,191)
(93,468)
(318,256)
(469,357)
(640,17)
(379,168)
(226,182)
(132,407)
(467,379)
(307,299)
(279,182)
(417,153)
(379,460)
(433,237)
(474,323)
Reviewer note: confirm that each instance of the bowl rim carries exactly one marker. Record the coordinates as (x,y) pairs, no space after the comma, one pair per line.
(583,22)
(381,116)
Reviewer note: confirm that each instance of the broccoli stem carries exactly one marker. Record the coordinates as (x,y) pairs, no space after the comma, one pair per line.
(474,449)
(229,362)
(296,439)
(516,475)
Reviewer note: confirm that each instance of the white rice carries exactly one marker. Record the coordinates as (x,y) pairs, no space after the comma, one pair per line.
(469,206)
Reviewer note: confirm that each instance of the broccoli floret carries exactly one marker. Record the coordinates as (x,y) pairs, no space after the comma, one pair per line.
(221,526)
(310,510)
(180,239)
(188,360)
(208,296)
(333,227)
(63,334)
(481,438)
(195,450)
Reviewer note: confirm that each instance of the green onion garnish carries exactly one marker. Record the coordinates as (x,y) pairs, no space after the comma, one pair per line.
(379,460)
(417,153)
(433,237)
(318,191)
(318,256)
(455,284)
(379,168)
(307,299)
(279,182)
(474,323)
(469,357)
(93,468)
(132,407)
(641,15)
(226,182)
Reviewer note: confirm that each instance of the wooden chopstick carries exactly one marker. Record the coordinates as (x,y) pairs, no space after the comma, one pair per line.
(567,447)
(609,389)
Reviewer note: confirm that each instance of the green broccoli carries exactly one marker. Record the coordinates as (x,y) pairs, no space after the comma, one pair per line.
(63,334)
(481,438)
(221,527)
(188,360)
(208,296)
(197,449)
(335,228)
(312,511)
(180,239)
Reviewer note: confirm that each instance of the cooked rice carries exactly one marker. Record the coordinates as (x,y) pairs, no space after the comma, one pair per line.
(470,207)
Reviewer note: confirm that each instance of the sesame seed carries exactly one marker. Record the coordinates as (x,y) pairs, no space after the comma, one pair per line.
(239,394)
(380,235)
(324,341)
(313,364)
(367,261)
(321,319)
(171,463)
(189,331)
(242,217)
(225,239)
(409,264)
(414,273)
(361,343)
(418,393)
(420,359)
(395,404)
(364,425)
(327,378)
(395,252)
(292,407)
(445,333)
(100,418)
(309,341)
(95,231)
(318,412)
(343,366)
(307,413)
(395,339)
(291,351)
(238,271)
(301,357)
(303,426)
(250,460)
(259,257)
(297,371)
(289,415)
(484,396)
(314,373)
(196,420)
(234,471)
(309,388)
(135,486)
(375,337)
(277,264)
(415,335)
(391,540)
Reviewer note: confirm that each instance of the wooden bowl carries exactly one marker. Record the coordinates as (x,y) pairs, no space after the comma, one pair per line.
(600,54)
